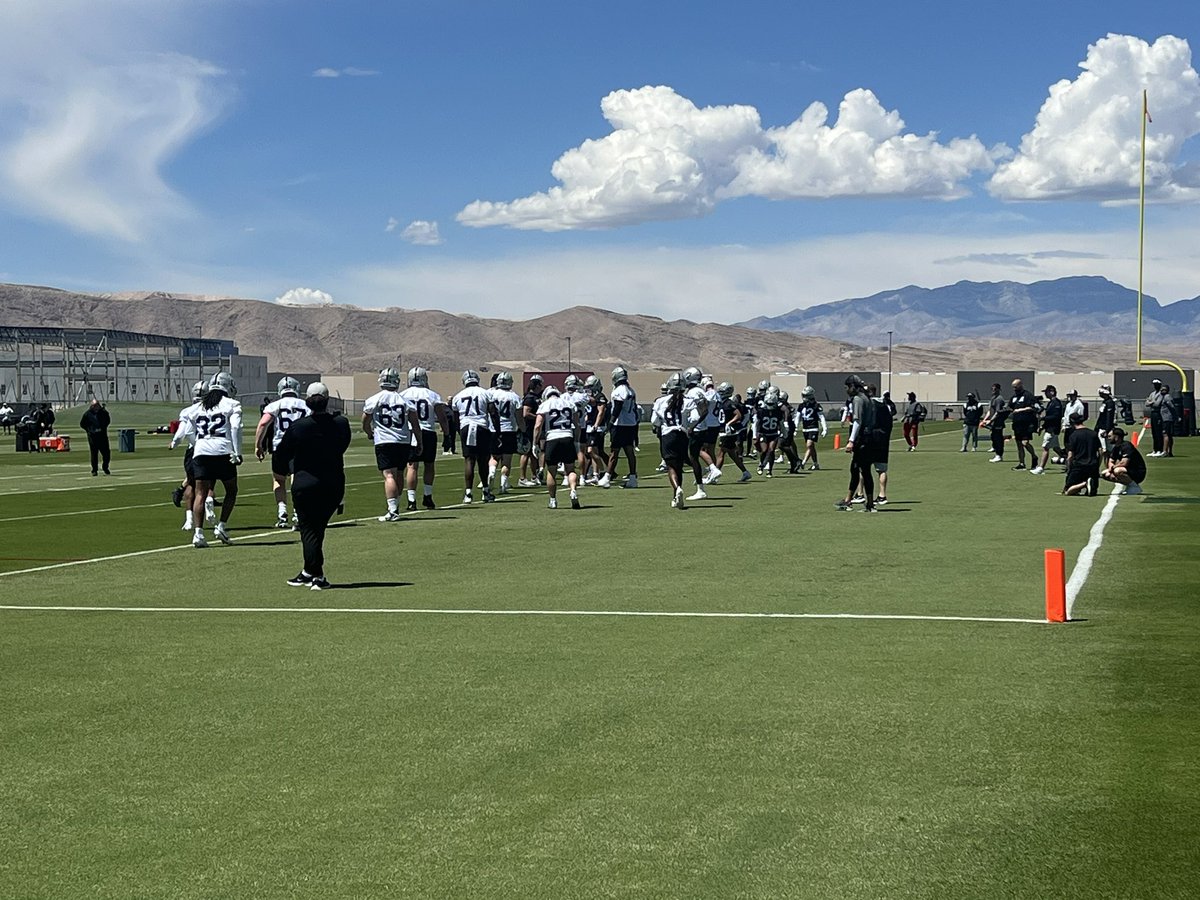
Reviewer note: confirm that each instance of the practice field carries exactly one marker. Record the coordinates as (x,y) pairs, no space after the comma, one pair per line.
(755,697)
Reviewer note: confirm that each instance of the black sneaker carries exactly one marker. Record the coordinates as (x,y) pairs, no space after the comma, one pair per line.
(842,506)
(575,503)
(881,501)
(319,584)
(301,580)
(1018,467)
(412,506)
(428,502)
(176,495)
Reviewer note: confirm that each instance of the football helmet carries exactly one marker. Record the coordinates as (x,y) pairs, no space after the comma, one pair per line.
(223,382)
(663,389)
(504,381)
(809,393)
(620,376)
(751,394)
(288,385)
(571,383)
(470,377)
(535,378)
(783,396)
(199,389)
(764,386)
(772,397)
(418,377)
(692,376)
(593,384)
(551,391)
(674,383)
(725,390)
(389,378)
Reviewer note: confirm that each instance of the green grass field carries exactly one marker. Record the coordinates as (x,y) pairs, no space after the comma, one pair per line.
(347,744)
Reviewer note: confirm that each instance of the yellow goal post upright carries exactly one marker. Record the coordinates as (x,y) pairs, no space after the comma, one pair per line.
(1142,257)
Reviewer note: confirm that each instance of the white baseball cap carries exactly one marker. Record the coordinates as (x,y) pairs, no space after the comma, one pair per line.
(317,389)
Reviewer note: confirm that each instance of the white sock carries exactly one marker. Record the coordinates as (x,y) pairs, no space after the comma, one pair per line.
(282,510)
(187,521)
(491,473)
(412,496)
(393,504)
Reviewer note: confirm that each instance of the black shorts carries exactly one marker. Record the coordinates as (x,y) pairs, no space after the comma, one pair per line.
(189,468)
(697,440)
(392,456)
(594,440)
(214,468)
(769,437)
(674,447)
(483,442)
(1023,432)
(711,435)
(429,448)
(560,450)
(730,441)
(624,436)
(813,435)
(507,444)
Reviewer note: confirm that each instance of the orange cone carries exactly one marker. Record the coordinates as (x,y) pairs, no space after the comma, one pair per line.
(837,442)
(1056,586)
(1135,437)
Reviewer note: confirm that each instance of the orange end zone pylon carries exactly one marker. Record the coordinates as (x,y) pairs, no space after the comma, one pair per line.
(1056,586)
(837,442)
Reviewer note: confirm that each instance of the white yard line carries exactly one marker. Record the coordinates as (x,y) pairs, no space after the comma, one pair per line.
(590,613)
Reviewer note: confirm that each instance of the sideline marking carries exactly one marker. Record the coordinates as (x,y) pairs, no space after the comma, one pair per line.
(645,614)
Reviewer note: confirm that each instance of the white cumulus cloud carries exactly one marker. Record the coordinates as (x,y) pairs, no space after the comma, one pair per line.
(348,71)
(667,158)
(421,233)
(304,297)
(1086,141)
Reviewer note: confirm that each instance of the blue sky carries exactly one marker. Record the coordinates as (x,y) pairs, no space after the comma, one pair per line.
(688,160)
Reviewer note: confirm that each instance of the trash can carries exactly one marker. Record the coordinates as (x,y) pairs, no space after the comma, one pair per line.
(22,442)
(125,439)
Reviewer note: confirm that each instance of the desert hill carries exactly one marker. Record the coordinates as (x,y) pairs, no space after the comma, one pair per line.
(343,339)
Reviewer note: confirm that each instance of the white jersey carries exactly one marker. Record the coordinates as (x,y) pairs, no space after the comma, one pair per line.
(218,430)
(662,417)
(426,403)
(559,417)
(285,411)
(389,417)
(186,430)
(712,420)
(471,404)
(693,401)
(624,396)
(508,404)
(580,400)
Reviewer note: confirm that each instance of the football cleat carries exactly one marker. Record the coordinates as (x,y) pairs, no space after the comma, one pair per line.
(177,496)
(630,482)
(301,579)
(466,497)
(390,516)
(553,504)
(221,534)
(428,502)
(575,503)
(746,476)
(282,522)
(198,541)
(699,494)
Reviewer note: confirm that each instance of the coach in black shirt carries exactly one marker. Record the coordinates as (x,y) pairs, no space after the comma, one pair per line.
(95,423)
(1083,459)
(313,449)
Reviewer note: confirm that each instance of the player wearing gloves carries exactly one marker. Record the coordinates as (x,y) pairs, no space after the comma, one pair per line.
(812,427)
(217,452)
(277,418)
(731,418)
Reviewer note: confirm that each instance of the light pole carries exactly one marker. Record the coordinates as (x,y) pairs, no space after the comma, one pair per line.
(568,356)
(889,363)
(200,350)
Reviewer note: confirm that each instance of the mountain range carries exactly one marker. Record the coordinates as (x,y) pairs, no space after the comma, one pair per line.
(1077,309)
(1073,324)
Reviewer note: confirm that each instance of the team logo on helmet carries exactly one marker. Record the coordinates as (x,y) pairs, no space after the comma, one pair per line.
(418,377)
(389,378)
(288,385)
(692,376)
(199,389)
(809,392)
(504,381)
(620,376)
(470,377)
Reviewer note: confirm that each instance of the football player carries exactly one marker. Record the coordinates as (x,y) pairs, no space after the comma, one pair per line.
(695,414)
(431,414)
(750,434)
(217,452)
(812,427)
(770,425)
(508,408)
(478,421)
(732,418)
(595,427)
(712,430)
(578,397)
(667,420)
(185,494)
(557,424)
(277,418)
(530,464)
(623,416)
(787,438)
(392,425)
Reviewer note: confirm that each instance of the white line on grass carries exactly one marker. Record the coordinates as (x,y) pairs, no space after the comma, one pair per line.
(642,614)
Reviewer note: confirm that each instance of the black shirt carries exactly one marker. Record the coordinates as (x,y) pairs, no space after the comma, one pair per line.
(1053,417)
(1084,447)
(1027,417)
(1135,463)
(314,446)
(95,421)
